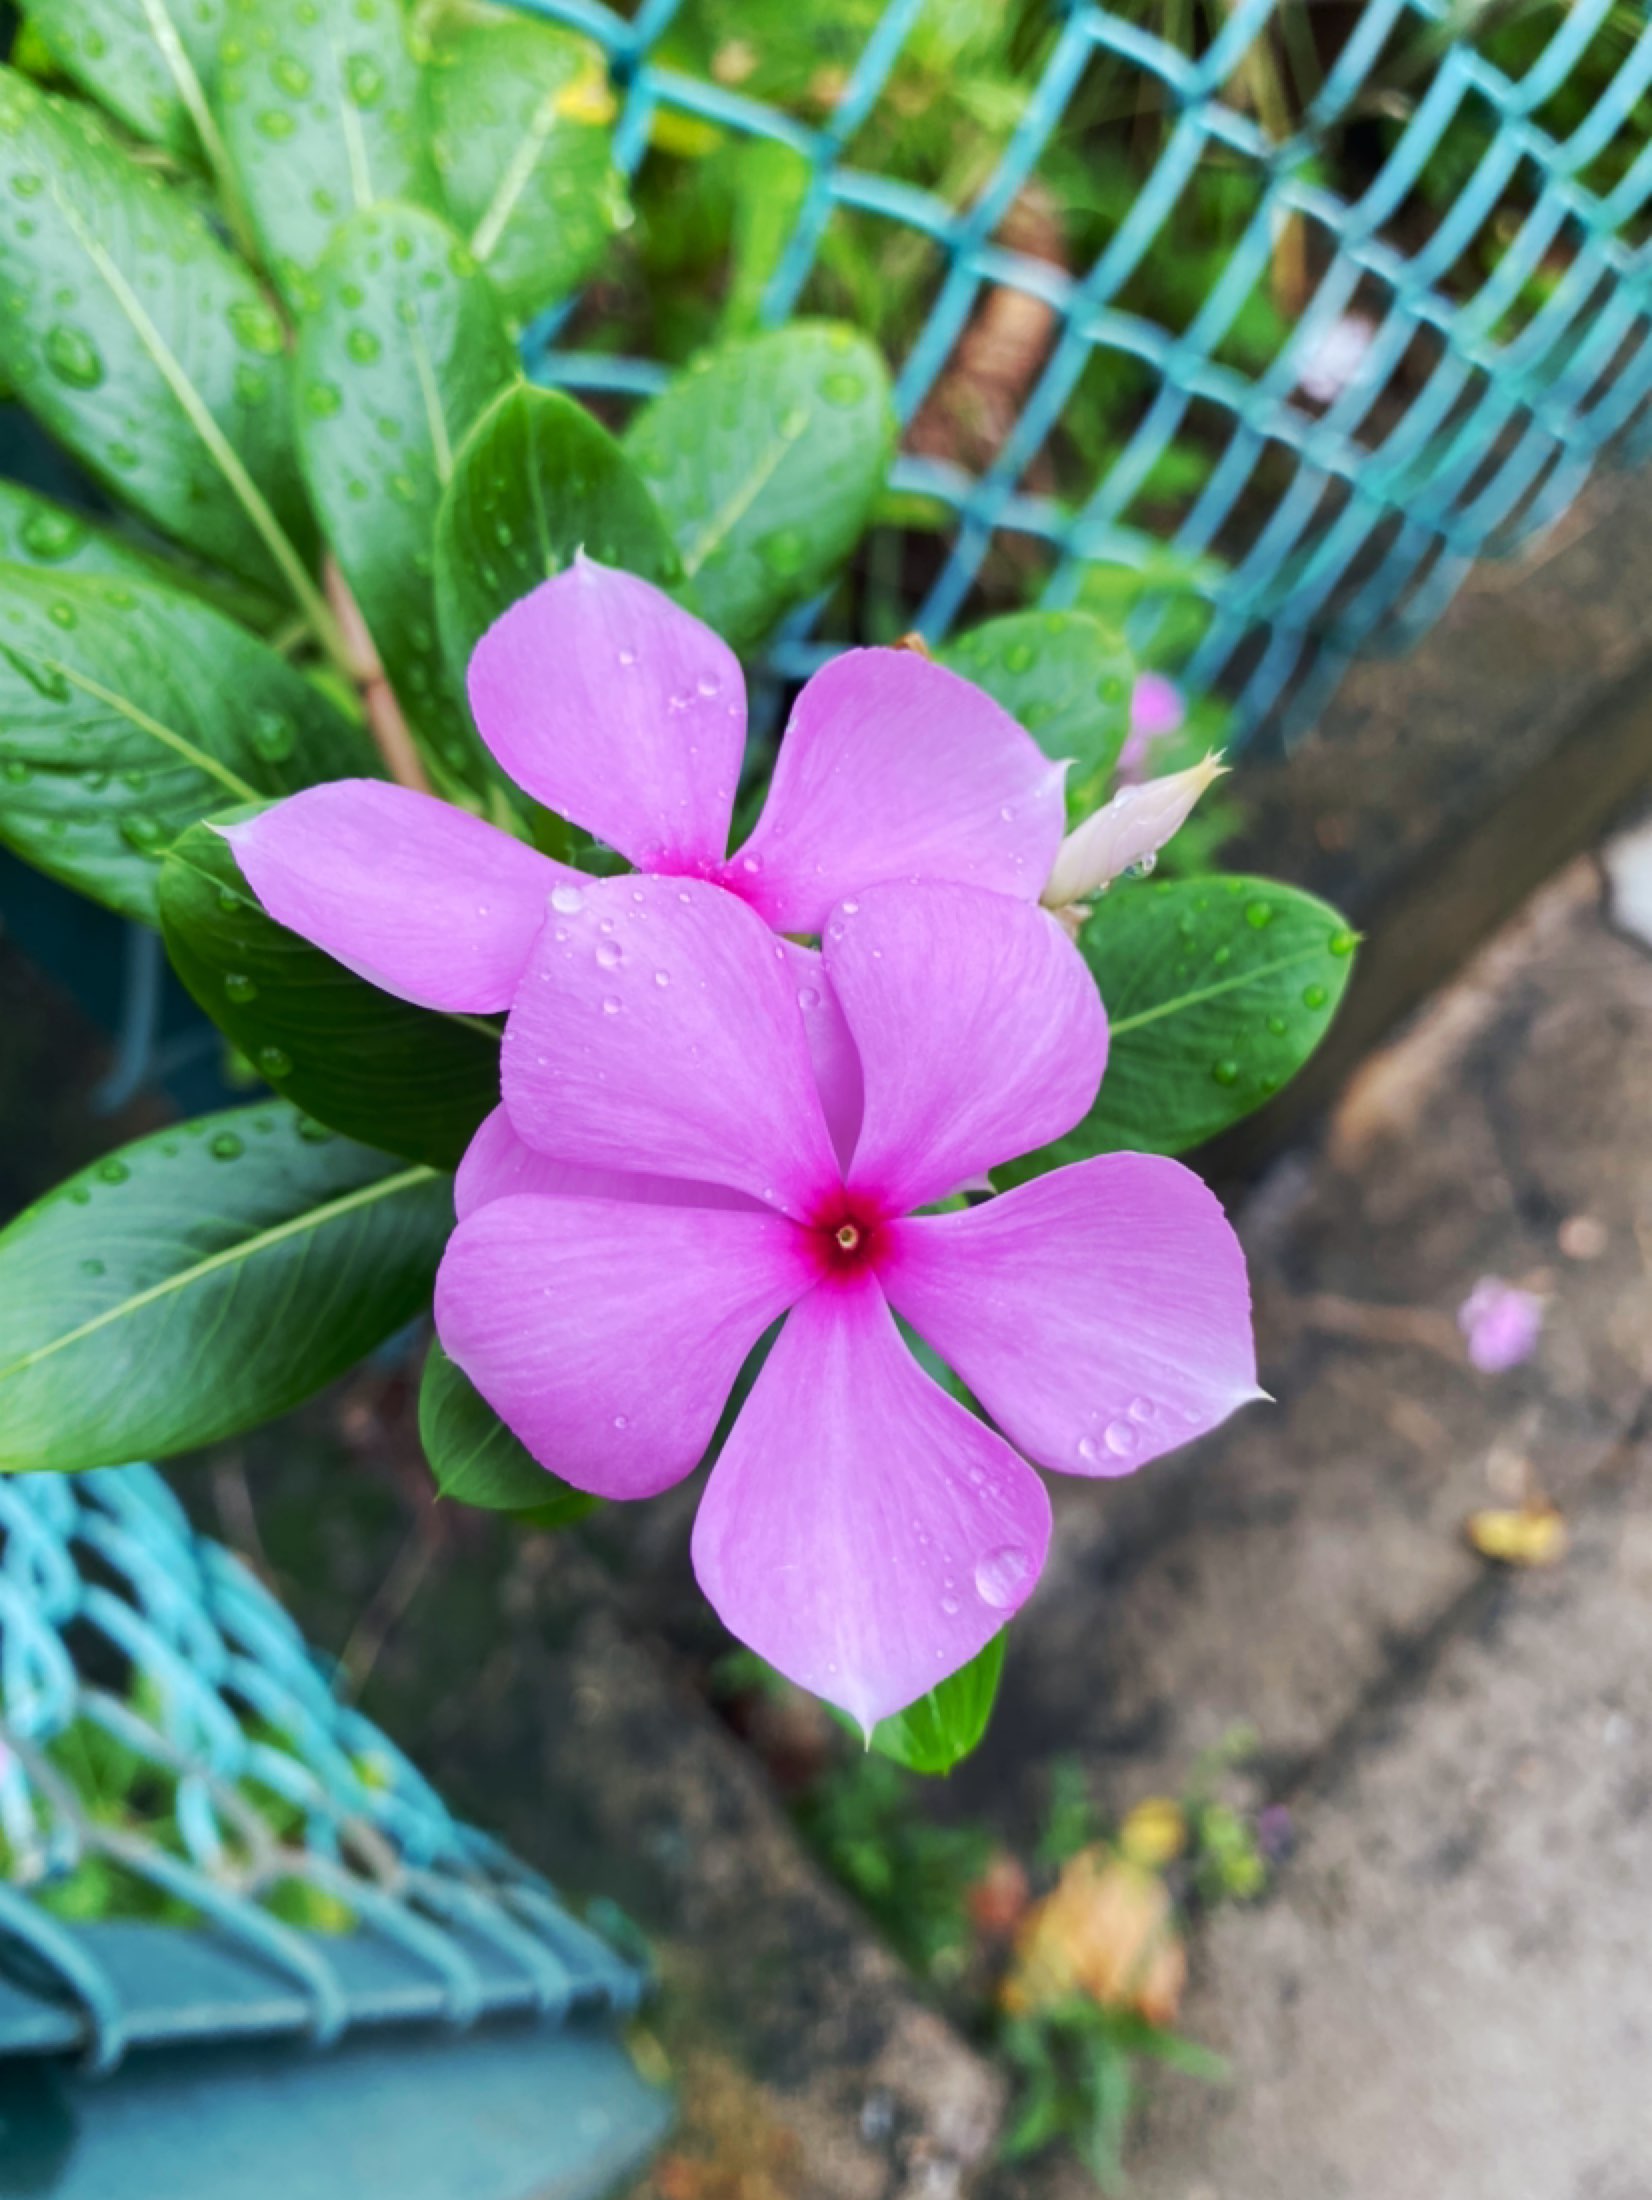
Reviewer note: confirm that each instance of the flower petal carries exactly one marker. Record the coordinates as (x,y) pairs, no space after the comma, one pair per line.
(831,1049)
(980,1033)
(608,1335)
(618,710)
(894,768)
(413,895)
(657,1028)
(498,1164)
(1100,1313)
(861,1531)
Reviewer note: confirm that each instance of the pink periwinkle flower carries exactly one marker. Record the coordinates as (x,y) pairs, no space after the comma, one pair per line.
(860,1529)
(1500,1324)
(1157,709)
(605,701)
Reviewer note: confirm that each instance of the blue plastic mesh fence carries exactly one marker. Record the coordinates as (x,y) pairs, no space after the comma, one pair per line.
(1424,312)
(171,1754)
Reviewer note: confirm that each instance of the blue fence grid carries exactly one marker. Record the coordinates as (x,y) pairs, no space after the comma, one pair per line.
(164,1726)
(1323,528)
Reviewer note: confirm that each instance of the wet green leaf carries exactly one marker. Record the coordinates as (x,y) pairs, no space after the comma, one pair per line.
(1217,991)
(318,102)
(403,347)
(518,114)
(765,458)
(151,63)
(202,1280)
(145,347)
(1067,677)
(128,710)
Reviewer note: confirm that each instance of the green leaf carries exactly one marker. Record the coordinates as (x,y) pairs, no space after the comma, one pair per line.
(940,1729)
(410,1080)
(537,479)
(477,1461)
(145,60)
(517,114)
(1067,677)
(318,104)
(765,459)
(56,538)
(201,1280)
(37,531)
(144,346)
(1217,991)
(127,711)
(403,348)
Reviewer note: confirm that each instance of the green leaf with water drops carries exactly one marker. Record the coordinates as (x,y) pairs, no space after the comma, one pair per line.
(765,458)
(940,1729)
(409,1080)
(1067,677)
(201,1280)
(518,114)
(148,62)
(404,345)
(129,710)
(537,479)
(1217,991)
(318,101)
(477,1461)
(36,530)
(144,346)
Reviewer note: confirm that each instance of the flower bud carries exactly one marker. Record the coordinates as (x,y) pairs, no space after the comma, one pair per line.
(1128,830)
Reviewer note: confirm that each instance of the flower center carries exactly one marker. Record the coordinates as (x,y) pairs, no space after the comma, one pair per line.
(849,1236)
(846,1234)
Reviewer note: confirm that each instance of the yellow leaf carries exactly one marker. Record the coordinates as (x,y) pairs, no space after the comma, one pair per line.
(1105,1930)
(1154,1832)
(1533,1534)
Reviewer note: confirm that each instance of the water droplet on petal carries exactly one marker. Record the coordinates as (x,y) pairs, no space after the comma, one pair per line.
(611,1004)
(807,997)
(999,1575)
(609,954)
(566,900)
(1121,1439)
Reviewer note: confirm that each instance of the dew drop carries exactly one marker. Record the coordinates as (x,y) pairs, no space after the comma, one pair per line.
(567,901)
(50,536)
(91,1268)
(620,1421)
(363,346)
(662,977)
(272,736)
(113,1172)
(73,357)
(843,388)
(1314,996)
(611,1004)
(1258,915)
(226,1147)
(1121,1439)
(609,954)
(1018,657)
(1087,1450)
(239,987)
(807,997)
(275,1062)
(1342,943)
(998,1577)
(1225,1072)
(951,1607)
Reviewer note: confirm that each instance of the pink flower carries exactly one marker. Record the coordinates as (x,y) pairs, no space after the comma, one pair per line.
(1501,1324)
(1157,708)
(861,1530)
(610,705)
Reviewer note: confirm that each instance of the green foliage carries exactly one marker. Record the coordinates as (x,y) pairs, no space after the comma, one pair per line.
(477,1461)
(38,531)
(1067,677)
(940,1729)
(912,1875)
(318,103)
(536,480)
(401,347)
(129,710)
(1077,2068)
(144,345)
(411,1081)
(146,60)
(765,460)
(516,112)
(1217,991)
(202,1280)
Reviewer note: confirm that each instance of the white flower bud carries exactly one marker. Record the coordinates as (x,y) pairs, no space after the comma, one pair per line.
(1129,830)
